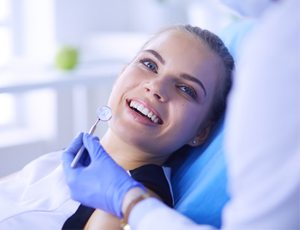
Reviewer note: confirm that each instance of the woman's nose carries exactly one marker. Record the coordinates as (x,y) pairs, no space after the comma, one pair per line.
(158,88)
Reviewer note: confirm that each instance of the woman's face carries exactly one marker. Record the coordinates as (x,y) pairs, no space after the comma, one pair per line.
(162,97)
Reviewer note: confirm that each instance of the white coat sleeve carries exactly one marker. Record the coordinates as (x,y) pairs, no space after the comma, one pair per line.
(152,214)
(263,126)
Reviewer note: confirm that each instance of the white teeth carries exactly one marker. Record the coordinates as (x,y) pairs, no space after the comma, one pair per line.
(133,104)
(150,114)
(153,118)
(145,111)
(140,108)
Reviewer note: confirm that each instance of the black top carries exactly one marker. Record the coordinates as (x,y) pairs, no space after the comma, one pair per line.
(151,176)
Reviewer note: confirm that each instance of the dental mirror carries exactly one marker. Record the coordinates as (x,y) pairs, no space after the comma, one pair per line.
(103,114)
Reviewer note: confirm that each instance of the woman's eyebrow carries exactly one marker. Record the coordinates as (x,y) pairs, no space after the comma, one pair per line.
(184,75)
(194,79)
(156,54)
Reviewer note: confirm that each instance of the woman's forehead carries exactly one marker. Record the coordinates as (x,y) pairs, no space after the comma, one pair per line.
(173,36)
(182,43)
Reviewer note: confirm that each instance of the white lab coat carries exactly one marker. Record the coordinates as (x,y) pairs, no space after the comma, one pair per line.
(36,197)
(262,134)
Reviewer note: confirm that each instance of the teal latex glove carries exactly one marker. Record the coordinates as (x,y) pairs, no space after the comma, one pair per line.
(101,184)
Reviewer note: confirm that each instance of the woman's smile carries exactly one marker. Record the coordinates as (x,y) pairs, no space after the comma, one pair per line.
(143,112)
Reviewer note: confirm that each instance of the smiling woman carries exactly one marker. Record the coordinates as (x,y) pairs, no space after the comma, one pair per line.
(170,95)
(154,79)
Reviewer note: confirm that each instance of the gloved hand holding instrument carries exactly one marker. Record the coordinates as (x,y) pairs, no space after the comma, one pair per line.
(102,183)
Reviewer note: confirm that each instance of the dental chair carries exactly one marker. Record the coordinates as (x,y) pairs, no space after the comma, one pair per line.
(199,178)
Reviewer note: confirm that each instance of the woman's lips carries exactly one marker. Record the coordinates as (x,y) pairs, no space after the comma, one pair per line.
(145,111)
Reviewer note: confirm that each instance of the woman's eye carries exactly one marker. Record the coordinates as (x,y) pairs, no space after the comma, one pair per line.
(150,65)
(188,90)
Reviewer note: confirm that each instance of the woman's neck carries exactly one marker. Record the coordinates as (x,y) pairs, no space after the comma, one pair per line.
(127,155)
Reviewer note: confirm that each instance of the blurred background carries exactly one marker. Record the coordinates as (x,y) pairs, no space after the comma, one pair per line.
(46,99)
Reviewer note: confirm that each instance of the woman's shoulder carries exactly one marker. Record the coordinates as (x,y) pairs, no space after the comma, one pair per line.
(42,166)
(36,193)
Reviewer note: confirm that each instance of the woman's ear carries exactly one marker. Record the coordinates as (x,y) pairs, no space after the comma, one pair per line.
(201,137)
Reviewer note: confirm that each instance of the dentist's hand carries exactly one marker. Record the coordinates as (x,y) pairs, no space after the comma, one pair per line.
(102,183)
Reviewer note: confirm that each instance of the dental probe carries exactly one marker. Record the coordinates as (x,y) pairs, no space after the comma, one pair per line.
(104,114)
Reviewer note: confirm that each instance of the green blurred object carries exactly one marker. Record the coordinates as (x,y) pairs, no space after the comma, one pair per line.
(66,58)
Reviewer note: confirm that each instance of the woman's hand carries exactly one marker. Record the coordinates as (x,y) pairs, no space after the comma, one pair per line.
(102,183)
